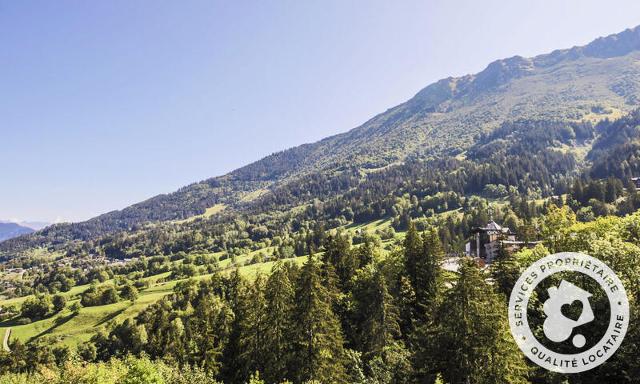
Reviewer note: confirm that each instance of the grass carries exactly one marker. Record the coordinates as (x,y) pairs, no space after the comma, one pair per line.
(207,213)
(253,195)
(69,329)
(66,328)
(73,292)
(251,271)
(369,227)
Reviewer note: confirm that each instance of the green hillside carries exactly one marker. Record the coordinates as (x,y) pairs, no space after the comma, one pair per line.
(587,83)
(67,328)
(344,260)
(511,137)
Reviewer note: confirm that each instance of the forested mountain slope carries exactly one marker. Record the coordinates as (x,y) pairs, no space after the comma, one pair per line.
(441,122)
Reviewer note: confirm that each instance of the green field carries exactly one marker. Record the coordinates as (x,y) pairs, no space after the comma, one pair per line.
(68,329)
(71,329)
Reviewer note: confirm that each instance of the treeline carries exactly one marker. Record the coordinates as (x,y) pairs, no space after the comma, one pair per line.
(616,152)
(347,316)
(352,316)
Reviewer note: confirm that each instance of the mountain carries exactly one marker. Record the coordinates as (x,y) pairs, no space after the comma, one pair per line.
(11,230)
(35,225)
(446,120)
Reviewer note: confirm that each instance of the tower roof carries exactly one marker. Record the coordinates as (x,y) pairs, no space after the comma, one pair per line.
(493,225)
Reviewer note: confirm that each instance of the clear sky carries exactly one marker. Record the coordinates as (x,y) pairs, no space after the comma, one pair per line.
(106,103)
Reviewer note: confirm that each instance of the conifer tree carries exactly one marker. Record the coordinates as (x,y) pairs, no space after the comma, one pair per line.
(376,315)
(505,270)
(429,280)
(279,298)
(428,295)
(317,337)
(339,255)
(252,311)
(208,332)
(412,251)
(406,302)
(235,293)
(423,258)
(474,343)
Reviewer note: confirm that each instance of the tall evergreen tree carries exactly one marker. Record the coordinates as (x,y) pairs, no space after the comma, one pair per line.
(505,270)
(375,313)
(279,298)
(428,291)
(252,312)
(317,337)
(474,342)
(412,252)
(339,255)
(208,332)
(235,293)
(429,280)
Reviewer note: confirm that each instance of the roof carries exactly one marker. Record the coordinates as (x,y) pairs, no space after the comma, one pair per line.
(492,226)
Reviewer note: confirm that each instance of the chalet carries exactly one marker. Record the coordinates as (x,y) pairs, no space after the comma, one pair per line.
(487,241)
(636,182)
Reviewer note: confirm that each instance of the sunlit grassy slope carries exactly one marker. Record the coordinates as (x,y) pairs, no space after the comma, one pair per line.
(68,329)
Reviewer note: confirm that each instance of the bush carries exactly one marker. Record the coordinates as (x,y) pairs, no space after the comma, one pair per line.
(95,296)
(36,307)
(129,292)
(23,321)
(142,371)
(59,302)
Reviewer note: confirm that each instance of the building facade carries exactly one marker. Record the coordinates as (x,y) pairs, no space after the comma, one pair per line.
(487,241)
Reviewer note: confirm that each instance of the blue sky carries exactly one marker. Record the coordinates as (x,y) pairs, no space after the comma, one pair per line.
(106,103)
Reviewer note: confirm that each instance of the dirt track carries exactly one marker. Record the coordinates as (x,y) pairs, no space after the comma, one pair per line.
(5,342)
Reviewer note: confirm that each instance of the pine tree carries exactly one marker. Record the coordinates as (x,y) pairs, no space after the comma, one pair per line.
(505,270)
(406,302)
(208,332)
(235,292)
(429,291)
(338,254)
(412,251)
(429,280)
(317,337)
(474,343)
(252,312)
(423,258)
(279,297)
(375,314)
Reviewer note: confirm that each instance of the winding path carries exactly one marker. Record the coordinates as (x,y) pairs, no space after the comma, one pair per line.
(5,342)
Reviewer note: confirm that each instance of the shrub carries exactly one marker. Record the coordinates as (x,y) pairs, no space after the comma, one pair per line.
(95,296)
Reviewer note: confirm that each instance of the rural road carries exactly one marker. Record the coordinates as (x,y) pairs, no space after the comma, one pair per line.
(5,341)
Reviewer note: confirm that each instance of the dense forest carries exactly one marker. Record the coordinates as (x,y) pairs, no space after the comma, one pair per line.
(348,315)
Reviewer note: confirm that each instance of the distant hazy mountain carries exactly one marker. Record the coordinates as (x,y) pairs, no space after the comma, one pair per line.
(35,225)
(445,119)
(10,230)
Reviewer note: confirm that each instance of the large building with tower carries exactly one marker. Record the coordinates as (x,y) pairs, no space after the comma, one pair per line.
(487,241)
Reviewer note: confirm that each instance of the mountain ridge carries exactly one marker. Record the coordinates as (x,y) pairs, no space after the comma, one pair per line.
(10,230)
(444,118)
